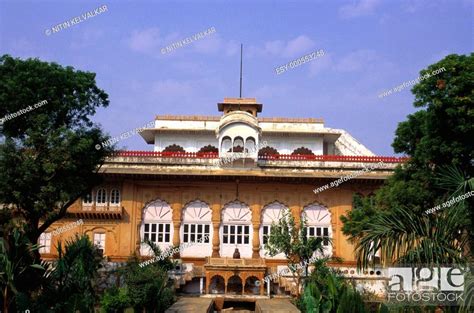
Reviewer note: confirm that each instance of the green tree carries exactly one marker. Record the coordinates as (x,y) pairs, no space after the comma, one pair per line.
(48,158)
(439,134)
(293,241)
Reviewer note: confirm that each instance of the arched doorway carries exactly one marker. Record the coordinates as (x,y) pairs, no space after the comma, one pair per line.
(252,286)
(234,285)
(217,285)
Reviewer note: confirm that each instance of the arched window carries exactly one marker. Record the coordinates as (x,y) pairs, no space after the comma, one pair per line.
(45,243)
(156,226)
(115,197)
(318,219)
(236,230)
(238,144)
(271,214)
(303,150)
(226,144)
(174,148)
(88,199)
(196,229)
(101,198)
(250,145)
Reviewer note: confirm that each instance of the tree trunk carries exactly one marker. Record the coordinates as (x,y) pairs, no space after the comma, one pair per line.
(5,300)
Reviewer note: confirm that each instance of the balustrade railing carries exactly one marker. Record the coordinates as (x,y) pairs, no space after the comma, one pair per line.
(266,157)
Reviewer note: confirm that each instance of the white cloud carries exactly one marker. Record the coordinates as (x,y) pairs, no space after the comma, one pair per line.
(358,8)
(232,48)
(320,64)
(267,92)
(151,40)
(145,41)
(356,61)
(171,87)
(194,96)
(89,36)
(293,48)
(210,44)
(298,46)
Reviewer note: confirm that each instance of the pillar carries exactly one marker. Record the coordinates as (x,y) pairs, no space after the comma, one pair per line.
(176,240)
(208,281)
(256,240)
(176,226)
(256,220)
(216,222)
(201,285)
(215,240)
(268,287)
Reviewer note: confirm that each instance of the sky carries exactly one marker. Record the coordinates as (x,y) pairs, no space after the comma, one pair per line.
(370,46)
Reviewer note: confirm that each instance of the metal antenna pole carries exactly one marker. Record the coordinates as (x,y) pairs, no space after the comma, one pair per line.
(241,53)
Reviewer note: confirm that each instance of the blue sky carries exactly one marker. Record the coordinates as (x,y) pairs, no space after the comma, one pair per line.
(370,46)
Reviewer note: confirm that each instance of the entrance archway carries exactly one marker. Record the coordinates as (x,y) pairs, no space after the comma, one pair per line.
(217,284)
(234,285)
(251,287)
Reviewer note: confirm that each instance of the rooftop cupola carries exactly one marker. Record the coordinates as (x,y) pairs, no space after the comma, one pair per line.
(248,105)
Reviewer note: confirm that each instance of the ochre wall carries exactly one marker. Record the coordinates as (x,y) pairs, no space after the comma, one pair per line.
(122,236)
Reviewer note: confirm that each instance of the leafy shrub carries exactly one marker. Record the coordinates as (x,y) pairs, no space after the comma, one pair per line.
(69,285)
(115,300)
(327,292)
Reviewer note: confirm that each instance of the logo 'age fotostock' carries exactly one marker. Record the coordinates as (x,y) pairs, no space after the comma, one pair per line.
(426,285)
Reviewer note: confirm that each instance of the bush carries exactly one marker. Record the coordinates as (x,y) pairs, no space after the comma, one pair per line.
(69,285)
(327,291)
(115,300)
(149,286)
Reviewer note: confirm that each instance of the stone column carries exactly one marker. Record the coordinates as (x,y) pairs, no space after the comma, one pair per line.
(256,240)
(177,208)
(176,240)
(296,211)
(256,220)
(215,240)
(225,284)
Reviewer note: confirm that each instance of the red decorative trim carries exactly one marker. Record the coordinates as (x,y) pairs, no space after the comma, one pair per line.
(335,158)
(168,154)
(273,157)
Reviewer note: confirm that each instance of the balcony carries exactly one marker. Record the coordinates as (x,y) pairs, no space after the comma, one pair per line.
(332,158)
(231,262)
(270,157)
(278,165)
(192,155)
(94,211)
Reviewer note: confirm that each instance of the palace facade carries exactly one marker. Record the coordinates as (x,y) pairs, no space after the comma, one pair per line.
(217,183)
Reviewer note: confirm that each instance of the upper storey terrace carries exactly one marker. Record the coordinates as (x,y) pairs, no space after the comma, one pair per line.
(241,139)
(240,129)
